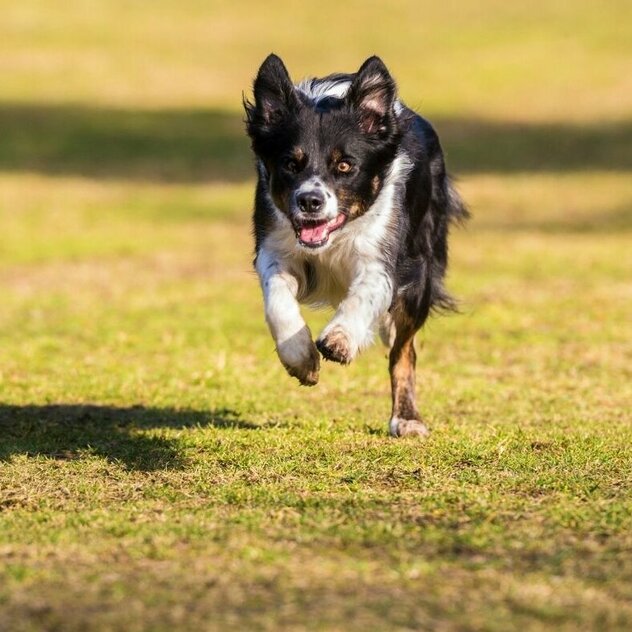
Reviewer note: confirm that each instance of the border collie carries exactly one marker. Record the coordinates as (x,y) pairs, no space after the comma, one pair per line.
(352,210)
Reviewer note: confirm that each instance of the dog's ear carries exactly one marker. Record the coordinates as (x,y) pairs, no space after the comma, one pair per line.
(371,96)
(274,94)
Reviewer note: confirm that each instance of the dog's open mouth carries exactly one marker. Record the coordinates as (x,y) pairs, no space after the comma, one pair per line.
(314,234)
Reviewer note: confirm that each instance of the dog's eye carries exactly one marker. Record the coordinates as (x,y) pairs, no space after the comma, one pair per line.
(343,166)
(292,165)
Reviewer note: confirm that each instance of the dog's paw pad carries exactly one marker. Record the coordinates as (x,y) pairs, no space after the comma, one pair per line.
(408,428)
(336,346)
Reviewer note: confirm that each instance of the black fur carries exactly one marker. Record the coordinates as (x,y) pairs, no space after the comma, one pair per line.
(282,117)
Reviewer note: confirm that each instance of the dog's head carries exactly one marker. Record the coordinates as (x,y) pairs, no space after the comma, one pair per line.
(325,151)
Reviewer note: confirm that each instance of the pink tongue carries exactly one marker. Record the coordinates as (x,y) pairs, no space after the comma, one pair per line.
(314,233)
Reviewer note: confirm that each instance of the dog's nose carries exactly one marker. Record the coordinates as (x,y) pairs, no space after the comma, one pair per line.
(310,201)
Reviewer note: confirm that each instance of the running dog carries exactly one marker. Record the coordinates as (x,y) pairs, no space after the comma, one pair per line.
(352,210)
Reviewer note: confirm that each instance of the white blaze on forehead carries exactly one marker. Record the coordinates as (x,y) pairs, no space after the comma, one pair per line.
(319,89)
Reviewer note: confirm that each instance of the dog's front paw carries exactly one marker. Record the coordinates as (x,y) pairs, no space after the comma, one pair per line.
(337,345)
(408,428)
(300,358)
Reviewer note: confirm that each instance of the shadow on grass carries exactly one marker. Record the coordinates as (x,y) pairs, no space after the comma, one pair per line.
(600,221)
(504,147)
(211,145)
(66,431)
(168,145)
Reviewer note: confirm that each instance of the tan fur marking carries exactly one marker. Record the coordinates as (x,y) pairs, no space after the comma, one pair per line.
(403,380)
(336,156)
(405,418)
(351,203)
(376,183)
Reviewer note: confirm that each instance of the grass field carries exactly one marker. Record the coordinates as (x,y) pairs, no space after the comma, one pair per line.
(158,469)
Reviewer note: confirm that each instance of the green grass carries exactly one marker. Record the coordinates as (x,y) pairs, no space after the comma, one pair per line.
(158,469)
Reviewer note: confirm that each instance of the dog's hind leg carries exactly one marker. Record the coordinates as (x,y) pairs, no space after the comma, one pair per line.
(405,417)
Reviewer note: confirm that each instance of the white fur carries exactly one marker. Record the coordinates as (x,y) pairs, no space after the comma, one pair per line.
(393,425)
(320,89)
(288,329)
(349,270)
(399,427)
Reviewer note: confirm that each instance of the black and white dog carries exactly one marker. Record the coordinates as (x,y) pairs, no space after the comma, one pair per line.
(352,210)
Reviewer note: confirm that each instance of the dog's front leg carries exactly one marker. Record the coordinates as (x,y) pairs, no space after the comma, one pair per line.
(292,336)
(352,327)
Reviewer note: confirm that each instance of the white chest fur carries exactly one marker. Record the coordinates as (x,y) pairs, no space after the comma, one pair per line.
(356,250)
